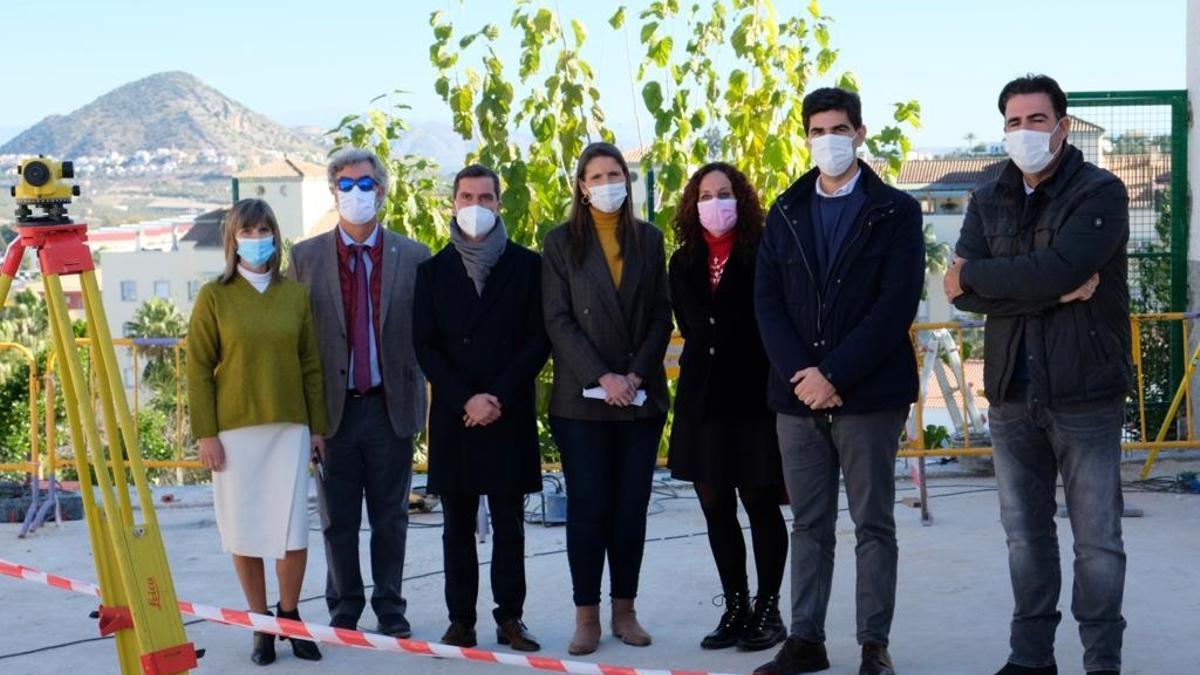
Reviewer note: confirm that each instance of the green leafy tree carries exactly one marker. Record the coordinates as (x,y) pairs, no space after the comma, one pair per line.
(26,322)
(1150,292)
(561,110)
(755,100)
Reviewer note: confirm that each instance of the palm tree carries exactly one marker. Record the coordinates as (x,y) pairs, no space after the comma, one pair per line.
(970,139)
(158,318)
(26,322)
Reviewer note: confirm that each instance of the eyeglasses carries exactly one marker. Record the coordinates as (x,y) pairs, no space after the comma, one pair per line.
(366,184)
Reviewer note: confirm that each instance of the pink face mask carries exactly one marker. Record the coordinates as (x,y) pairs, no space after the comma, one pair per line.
(718,216)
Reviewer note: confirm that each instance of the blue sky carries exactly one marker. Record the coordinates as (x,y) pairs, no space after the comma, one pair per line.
(303,62)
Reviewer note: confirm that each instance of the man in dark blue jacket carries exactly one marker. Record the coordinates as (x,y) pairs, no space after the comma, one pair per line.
(839,277)
(1043,253)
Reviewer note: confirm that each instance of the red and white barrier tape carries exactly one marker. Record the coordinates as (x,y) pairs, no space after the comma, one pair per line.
(344,637)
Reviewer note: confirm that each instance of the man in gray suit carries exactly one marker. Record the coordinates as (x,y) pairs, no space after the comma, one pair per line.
(360,278)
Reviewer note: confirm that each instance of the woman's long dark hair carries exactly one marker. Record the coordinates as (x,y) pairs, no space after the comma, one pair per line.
(688,232)
(580,226)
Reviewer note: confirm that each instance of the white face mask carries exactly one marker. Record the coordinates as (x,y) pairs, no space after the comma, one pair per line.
(1029,149)
(356,206)
(832,153)
(608,197)
(475,221)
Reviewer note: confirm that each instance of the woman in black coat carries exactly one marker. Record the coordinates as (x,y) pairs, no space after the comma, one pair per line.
(481,341)
(723,436)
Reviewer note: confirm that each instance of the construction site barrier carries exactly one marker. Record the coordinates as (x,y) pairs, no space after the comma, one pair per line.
(349,638)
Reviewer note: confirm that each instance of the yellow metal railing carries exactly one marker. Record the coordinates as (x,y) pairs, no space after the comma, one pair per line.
(967,374)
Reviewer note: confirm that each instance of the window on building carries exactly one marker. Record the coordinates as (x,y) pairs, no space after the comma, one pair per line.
(129,291)
(162,289)
(194,288)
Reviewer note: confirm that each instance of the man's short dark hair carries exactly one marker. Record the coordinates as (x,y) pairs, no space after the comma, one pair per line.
(477,171)
(832,98)
(1035,84)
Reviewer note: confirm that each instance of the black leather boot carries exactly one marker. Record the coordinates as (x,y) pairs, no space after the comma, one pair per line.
(301,649)
(264,648)
(733,621)
(765,628)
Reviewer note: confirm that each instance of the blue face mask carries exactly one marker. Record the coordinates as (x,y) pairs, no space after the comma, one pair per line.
(256,252)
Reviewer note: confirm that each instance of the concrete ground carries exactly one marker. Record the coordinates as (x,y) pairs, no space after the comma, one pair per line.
(951,619)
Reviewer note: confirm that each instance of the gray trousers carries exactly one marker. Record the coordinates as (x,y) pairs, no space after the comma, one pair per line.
(863,448)
(1033,446)
(365,458)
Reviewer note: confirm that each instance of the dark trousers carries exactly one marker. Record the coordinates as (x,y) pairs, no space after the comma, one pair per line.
(365,457)
(863,448)
(608,467)
(767,530)
(1032,446)
(462,561)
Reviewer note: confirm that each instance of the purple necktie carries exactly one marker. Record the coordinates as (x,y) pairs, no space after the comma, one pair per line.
(361,330)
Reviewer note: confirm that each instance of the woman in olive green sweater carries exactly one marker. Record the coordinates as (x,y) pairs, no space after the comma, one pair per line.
(257,406)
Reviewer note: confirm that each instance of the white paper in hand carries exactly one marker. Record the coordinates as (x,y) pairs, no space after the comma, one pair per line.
(639,399)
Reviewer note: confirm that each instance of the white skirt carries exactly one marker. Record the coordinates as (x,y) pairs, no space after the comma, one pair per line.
(261,496)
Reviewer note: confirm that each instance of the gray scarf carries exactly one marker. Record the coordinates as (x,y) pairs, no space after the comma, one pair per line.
(479,257)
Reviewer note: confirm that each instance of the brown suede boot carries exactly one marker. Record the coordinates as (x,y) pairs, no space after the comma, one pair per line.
(587,631)
(625,624)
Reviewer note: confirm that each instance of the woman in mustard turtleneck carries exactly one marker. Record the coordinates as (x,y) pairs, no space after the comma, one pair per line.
(604,287)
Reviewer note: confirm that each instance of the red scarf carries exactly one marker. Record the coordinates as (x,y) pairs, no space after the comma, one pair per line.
(719,249)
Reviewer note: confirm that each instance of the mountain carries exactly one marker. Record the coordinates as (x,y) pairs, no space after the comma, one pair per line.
(166,110)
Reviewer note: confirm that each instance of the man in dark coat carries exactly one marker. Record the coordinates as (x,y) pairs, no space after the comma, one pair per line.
(839,276)
(1042,253)
(481,341)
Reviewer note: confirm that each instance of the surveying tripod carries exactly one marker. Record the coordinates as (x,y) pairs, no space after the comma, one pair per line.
(136,591)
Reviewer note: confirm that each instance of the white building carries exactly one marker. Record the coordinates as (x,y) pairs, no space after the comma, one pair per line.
(175,273)
(297,191)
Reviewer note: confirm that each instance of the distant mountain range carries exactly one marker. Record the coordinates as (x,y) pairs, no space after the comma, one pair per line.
(166,110)
(178,111)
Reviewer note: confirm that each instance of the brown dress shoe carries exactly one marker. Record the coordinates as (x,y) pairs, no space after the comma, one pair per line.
(459,635)
(876,660)
(587,631)
(796,656)
(625,624)
(515,634)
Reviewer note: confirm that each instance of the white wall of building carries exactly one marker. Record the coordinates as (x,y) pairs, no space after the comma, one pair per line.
(131,278)
(298,202)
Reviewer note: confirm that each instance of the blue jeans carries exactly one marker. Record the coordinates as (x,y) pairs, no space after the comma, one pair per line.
(609,467)
(1032,446)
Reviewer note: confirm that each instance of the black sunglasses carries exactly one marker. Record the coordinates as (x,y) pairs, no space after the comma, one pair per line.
(366,184)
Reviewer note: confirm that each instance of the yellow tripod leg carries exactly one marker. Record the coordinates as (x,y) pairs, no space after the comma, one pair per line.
(140,556)
(1175,403)
(112,590)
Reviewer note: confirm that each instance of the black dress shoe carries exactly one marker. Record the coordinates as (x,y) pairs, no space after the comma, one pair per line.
(301,649)
(765,628)
(515,634)
(395,626)
(796,656)
(459,635)
(343,621)
(876,660)
(733,622)
(1014,669)
(264,647)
